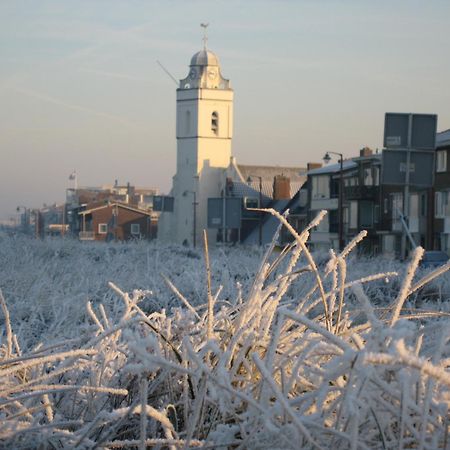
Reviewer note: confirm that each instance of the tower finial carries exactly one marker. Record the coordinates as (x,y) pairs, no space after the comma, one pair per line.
(205,34)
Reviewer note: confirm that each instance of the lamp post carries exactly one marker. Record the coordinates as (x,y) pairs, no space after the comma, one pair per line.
(249,180)
(327,159)
(194,204)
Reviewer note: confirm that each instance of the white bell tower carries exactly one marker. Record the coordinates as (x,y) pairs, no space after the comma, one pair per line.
(204,128)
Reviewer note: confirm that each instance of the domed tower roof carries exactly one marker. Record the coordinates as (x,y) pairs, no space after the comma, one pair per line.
(204,58)
(204,72)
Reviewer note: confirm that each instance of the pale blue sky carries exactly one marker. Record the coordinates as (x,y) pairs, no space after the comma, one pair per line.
(80,87)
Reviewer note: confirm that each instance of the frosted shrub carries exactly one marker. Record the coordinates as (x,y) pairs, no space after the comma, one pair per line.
(216,355)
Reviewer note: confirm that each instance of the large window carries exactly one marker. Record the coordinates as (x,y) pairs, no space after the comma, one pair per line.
(320,187)
(441,161)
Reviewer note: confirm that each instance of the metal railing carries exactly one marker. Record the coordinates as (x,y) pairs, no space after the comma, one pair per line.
(86,235)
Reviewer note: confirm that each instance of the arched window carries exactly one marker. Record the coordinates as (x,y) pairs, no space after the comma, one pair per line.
(215,122)
(188,122)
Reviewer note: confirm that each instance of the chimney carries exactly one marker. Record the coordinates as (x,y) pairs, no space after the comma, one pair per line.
(281,188)
(313,165)
(365,151)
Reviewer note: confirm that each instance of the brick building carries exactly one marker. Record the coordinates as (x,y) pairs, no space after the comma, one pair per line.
(117,221)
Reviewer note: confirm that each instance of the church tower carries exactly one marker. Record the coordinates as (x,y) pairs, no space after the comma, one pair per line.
(204,128)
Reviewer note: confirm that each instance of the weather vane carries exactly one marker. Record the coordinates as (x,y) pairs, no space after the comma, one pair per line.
(205,34)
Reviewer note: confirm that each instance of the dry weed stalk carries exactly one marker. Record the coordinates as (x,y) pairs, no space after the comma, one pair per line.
(271,371)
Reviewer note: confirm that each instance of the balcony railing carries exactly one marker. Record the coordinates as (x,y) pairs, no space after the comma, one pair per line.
(87,235)
(360,192)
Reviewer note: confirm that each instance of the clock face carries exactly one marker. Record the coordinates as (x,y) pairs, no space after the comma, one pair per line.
(212,74)
(192,73)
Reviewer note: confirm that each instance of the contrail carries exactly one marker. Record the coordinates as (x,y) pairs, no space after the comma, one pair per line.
(55,101)
(113,74)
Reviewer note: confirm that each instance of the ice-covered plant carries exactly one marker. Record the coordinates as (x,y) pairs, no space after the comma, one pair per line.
(296,355)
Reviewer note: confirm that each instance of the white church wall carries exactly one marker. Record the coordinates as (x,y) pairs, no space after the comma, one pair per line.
(204,130)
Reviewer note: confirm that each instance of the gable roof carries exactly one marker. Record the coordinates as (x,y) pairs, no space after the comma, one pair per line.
(120,205)
(334,168)
(269,172)
(241,173)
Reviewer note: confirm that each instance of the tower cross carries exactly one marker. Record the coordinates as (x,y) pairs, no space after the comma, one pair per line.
(205,34)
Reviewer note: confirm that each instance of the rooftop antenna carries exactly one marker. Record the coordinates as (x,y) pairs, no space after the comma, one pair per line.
(167,72)
(205,34)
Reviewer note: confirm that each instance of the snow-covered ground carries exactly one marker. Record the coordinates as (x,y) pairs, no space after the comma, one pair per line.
(123,345)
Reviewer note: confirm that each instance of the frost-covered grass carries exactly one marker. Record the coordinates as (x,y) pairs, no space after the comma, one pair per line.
(135,345)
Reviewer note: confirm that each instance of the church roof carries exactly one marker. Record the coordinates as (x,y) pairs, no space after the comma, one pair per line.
(205,73)
(269,172)
(242,187)
(204,58)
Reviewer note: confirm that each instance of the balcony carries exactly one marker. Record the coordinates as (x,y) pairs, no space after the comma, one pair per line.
(86,236)
(361,192)
(324,203)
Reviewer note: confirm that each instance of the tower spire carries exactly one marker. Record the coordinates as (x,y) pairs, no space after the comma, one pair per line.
(205,34)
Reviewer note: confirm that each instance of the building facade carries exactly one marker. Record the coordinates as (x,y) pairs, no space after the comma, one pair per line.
(117,222)
(204,129)
(441,204)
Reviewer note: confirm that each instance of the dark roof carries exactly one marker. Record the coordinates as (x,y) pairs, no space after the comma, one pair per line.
(443,138)
(296,175)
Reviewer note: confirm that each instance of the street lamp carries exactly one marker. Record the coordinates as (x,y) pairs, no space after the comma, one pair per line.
(194,204)
(249,180)
(327,159)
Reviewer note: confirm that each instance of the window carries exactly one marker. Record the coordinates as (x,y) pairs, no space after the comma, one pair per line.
(414,205)
(102,228)
(423,205)
(440,203)
(441,161)
(251,202)
(135,229)
(324,225)
(333,224)
(397,208)
(376,176)
(215,122)
(346,214)
(353,214)
(366,214)
(334,187)
(376,214)
(320,187)
(368,179)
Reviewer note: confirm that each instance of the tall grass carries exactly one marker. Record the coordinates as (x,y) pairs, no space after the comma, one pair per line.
(303,355)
